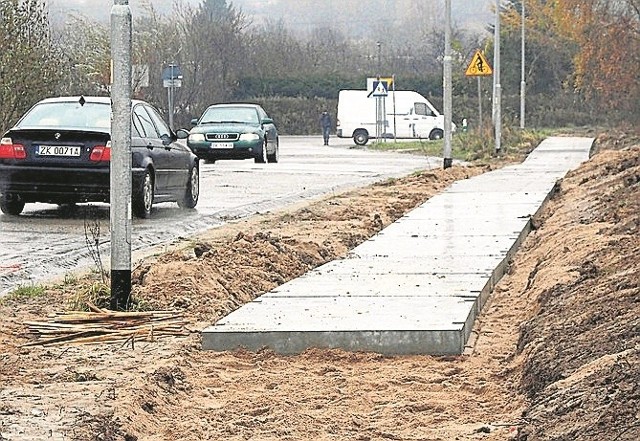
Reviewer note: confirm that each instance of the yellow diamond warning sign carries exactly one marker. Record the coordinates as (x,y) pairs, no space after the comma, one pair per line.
(478,66)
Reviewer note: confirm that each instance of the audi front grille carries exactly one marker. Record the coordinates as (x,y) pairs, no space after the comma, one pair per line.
(222,137)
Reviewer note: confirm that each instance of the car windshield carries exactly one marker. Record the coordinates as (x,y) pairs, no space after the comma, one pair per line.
(69,115)
(230,115)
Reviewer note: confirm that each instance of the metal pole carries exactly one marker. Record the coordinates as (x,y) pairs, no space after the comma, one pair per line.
(383,100)
(498,90)
(479,103)
(380,116)
(120,171)
(169,105)
(395,128)
(447,85)
(171,95)
(379,119)
(523,84)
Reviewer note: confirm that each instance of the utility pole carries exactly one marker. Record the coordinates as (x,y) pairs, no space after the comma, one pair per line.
(523,84)
(497,90)
(447,85)
(120,167)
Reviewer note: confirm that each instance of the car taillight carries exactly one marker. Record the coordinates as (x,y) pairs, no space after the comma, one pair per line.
(101,153)
(9,150)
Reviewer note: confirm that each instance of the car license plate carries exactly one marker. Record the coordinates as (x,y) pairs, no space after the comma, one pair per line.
(221,145)
(58,150)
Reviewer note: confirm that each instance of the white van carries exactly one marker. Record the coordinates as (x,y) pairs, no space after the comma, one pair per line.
(408,115)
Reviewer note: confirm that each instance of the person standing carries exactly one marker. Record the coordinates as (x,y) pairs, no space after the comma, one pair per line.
(325,123)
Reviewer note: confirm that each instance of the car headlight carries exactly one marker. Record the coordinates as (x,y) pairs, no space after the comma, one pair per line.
(249,137)
(196,137)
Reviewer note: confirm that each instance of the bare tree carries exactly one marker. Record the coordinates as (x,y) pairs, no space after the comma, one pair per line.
(28,59)
(84,63)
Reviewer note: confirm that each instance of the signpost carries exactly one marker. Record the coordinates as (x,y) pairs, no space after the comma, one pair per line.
(171,78)
(378,88)
(479,67)
(380,92)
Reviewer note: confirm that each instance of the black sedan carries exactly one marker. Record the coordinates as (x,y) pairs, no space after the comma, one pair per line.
(59,152)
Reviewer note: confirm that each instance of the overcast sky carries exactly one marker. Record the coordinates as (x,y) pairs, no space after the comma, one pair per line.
(300,15)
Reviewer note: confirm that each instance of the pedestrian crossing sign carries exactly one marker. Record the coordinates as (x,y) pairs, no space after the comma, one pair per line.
(380,88)
(479,66)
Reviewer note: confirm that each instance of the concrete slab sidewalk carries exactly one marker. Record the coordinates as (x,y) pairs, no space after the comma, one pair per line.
(417,286)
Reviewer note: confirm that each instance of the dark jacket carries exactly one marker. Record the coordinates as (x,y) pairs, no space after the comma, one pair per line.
(325,120)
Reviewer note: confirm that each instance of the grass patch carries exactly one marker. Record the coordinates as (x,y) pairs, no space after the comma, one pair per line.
(471,146)
(98,293)
(24,292)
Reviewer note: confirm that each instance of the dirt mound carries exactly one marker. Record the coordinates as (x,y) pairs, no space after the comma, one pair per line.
(555,354)
(582,347)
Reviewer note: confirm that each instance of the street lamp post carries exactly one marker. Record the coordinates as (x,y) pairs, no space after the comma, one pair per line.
(447,86)
(497,90)
(120,168)
(523,83)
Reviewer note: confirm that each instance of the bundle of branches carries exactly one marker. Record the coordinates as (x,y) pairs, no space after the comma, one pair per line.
(104,326)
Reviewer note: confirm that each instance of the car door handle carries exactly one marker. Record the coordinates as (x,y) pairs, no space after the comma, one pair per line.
(150,146)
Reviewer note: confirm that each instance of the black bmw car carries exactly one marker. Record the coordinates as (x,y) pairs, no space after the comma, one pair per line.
(59,152)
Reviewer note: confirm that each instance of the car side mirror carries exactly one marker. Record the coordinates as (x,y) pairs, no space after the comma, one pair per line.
(166,139)
(182,133)
(267,121)
(194,121)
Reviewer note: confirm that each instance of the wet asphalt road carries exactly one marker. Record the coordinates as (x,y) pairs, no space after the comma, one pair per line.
(47,242)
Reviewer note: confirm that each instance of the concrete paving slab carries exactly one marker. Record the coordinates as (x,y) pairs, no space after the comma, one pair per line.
(443,227)
(418,285)
(392,326)
(385,285)
(338,276)
(447,245)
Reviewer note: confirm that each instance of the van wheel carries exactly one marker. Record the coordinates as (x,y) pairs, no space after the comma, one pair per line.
(360,137)
(436,134)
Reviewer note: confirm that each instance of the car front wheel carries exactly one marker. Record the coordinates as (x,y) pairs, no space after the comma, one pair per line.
(261,156)
(143,196)
(275,157)
(12,205)
(190,198)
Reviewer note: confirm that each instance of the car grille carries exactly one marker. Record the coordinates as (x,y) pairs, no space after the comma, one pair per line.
(221,137)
